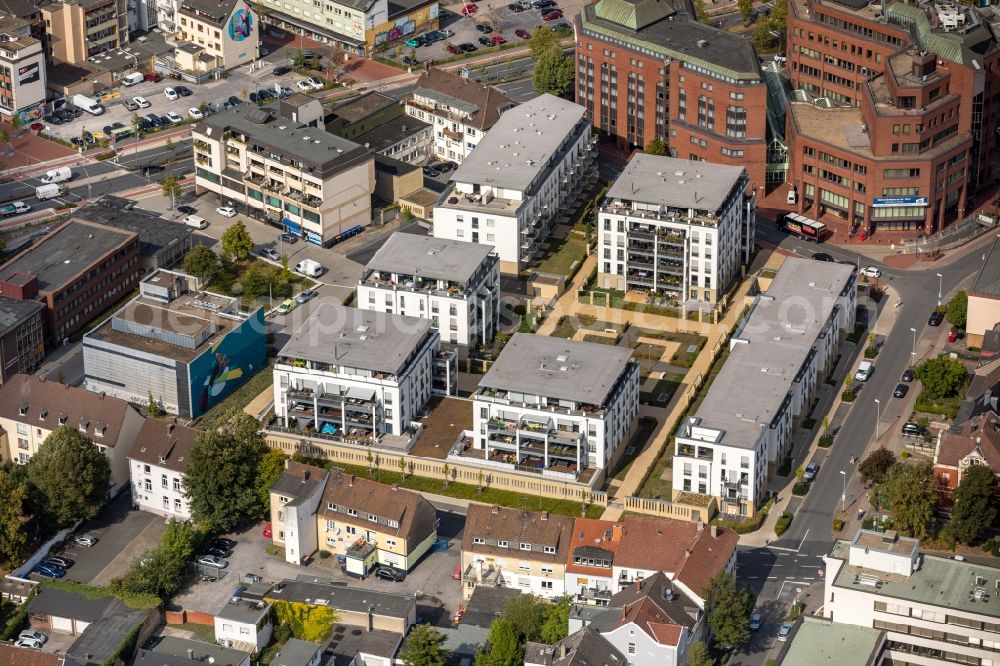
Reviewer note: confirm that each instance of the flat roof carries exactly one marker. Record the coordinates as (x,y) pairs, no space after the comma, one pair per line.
(246,612)
(344,597)
(780,332)
(390,133)
(939,581)
(346,642)
(428,257)
(520,144)
(359,108)
(69,250)
(676,183)
(357,338)
(557,368)
(14,312)
(817,642)
(155,231)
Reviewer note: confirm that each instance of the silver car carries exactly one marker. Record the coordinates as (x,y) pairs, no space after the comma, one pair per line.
(784,631)
(213,561)
(32,635)
(84,540)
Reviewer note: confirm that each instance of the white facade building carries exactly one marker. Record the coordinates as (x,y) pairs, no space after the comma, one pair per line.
(357,374)
(676,228)
(782,349)
(454,284)
(527,170)
(23,59)
(555,406)
(934,610)
(244,625)
(157,465)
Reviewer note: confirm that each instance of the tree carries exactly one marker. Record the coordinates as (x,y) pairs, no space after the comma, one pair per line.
(503,646)
(171,188)
(221,477)
(201,262)
(656,147)
(554,73)
(975,505)
(236,241)
(941,376)
(161,570)
(779,17)
(527,613)
(729,610)
(542,39)
(69,476)
(424,647)
(272,464)
(494,15)
(911,495)
(698,655)
(13,536)
(556,625)
(699,11)
(957,309)
(762,36)
(746,9)
(876,466)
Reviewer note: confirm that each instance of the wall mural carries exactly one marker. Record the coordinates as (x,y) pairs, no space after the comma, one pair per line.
(241,24)
(403,27)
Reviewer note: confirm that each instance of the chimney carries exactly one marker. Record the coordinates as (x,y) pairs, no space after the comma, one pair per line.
(191,654)
(170,428)
(562,650)
(545,515)
(305,476)
(102,395)
(371,615)
(350,481)
(495,510)
(616,532)
(715,531)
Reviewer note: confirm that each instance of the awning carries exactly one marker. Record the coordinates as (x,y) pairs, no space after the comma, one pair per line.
(359,393)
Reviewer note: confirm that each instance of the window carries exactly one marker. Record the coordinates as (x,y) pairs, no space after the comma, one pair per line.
(392,523)
(550,550)
(177,485)
(546,584)
(631,648)
(478,540)
(525,546)
(372,517)
(149,486)
(163,481)
(166,502)
(331,506)
(352,512)
(502,543)
(391,543)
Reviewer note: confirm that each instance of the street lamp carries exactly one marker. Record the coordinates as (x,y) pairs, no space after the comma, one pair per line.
(843,495)
(878,415)
(913,352)
(940,286)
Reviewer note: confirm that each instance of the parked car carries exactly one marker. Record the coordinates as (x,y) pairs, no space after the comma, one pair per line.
(485,41)
(183,91)
(469,10)
(222,542)
(407,60)
(174,118)
(454,50)
(226,211)
(187,210)
(49,570)
(522,33)
(444,167)
(823,256)
(432,173)
(84,540)
(60,561)
(812,469)
(281,70)
(908,375)
(552,16)
(170,94)
(267,531)
(153,77)
(900,391)
(269,253)
(291,239)
(913,429)
(286,306)
(141,102)
(516,8)
(32,635)
(304,86)
(28,643)
(497,40)
(468,47)
(784,631)
(213,561)
(219,552)
(234,100)
(483,28)
(936,318)
(393,575)
(872,272)
(755,621)
(414,42)
(307,295)
(195,113)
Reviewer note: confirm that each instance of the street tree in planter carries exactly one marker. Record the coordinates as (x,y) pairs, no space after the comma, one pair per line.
(729,609)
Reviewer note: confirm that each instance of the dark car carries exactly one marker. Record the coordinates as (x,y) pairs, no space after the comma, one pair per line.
(234,100)
(913,429)
(431,171)
(254,97)
(53,120)
(543,4)
(907,375)
(189,210)
(522,33)
(468,47)
(281,70)
(552,16)
(152,169)
(393,575)
(407,60)
(483,28)
(50,570)
(901,390)
(144,125)
(936,318)
(60,561)
(444,167)
(183,91)
(485,41)
(823,256)
(221,542)
(220,552)
(515,8)
(291,239)
(454,50)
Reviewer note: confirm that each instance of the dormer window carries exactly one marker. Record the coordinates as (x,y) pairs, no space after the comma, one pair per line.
(62,419)
(42,414)
(23,409)
(84,424)
(525,546)
(331,506)
(550,550)
(502,543)
(372,517)
(478,540)
(352,512)
(100,428)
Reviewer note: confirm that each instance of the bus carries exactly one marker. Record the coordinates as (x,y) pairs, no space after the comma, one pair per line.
(802,227)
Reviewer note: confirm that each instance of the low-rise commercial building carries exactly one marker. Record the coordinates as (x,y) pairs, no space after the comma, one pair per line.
(933,609)
(31,408)
(816,641)
(726,448)
(554,407)
(224,34)
(677,229)
(358,374)
(22,342)
(529,168)
(78,271)
(370,609)
(462,111)
(184,348)
(157,464)
(22,70)
(523,550)
(454,284)
(162,242)
(309,182)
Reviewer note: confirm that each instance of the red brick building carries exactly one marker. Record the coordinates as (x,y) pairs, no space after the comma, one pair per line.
(976,443)
(647,70)
(892,122)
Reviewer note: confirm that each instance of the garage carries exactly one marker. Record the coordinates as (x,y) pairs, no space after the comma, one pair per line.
(63,624)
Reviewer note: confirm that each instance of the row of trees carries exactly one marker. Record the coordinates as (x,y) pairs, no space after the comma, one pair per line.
(554,72)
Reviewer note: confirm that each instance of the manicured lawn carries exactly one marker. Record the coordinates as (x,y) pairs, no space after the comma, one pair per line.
(561,255)
(201,631)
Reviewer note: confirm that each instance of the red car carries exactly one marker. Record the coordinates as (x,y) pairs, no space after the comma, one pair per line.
(469,10)
(552,16)
(267,531)
(498,40)
(37,127)
(522,33)
(454,50)
(153,76)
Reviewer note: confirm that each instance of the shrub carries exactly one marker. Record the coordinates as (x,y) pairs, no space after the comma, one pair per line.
(848,396)
(783,523)
(324,554)
(871,352)
(800,489)
(826,441)
(838,524)
(904,454)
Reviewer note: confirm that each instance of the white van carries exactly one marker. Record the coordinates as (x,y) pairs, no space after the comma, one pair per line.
(44,192)
(309,268)
(864,371)
(87,104)
(133,79)
(57,175)
(196,222)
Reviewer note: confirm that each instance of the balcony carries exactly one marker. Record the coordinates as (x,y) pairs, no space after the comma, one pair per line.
(698,453)
(593,596)
(361,549)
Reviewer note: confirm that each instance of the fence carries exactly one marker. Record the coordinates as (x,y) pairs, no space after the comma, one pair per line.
(666,509)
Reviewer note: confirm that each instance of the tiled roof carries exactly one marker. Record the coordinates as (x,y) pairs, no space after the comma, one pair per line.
(586,647)
(165,443)
(592,533)
(298,481)
(47,404)
(709,556)
(488,101)
(657,608)
(540,529)
(981,433)
(15,656)
(413,514)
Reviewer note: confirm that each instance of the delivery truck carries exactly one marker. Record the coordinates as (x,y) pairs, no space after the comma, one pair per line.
(57,175)
(14,208)
(88,104)
(44,192)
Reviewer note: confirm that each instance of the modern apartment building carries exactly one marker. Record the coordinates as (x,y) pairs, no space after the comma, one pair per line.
(77,271)
(554,407)
(677,229)
(892,123)
(455,284)
(649,70)
(530,168)
(31,408)
(523,550)
(157,464)
(22,70)
(357,374)
(462,111)
(225,34)
(185,348)
(933,609)
(307,181)
(22,340)
(727,450)
(81,29)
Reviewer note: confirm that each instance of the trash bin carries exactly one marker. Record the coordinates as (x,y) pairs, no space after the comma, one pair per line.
(952,335)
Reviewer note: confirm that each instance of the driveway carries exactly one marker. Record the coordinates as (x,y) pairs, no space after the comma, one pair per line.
(122,536)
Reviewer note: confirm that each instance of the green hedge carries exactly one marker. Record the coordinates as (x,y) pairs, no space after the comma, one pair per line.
(783,523)
(14,622)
